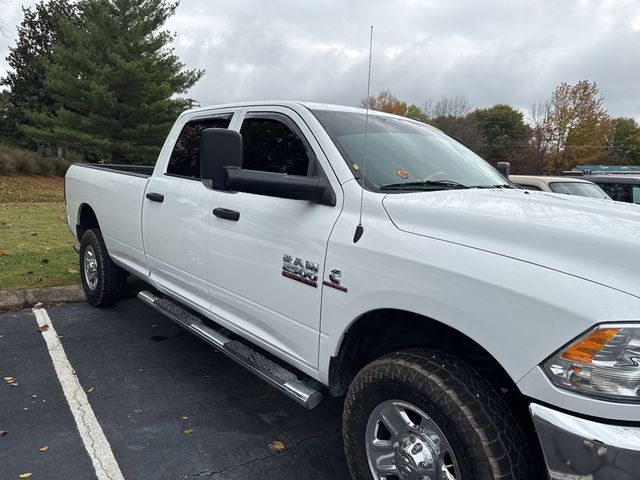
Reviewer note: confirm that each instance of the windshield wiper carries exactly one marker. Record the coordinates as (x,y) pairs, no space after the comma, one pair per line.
(429,184)
(500,185)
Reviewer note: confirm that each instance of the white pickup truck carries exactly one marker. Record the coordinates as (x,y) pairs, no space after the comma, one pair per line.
(478,330)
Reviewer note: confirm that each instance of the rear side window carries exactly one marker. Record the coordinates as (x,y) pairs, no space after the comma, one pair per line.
(185,158)
(272,144)
(618,191)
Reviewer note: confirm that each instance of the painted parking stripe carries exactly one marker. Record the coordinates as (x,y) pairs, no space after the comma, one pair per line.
(95,442)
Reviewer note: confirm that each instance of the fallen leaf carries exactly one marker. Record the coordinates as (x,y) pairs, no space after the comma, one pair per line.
(44,449)
(34,234)
(90,389)
(276,446)
(34,396)
(43,328)
(45,260)
(3,433)
(25,475)
(72,270)
(59,337)
(14,384)
(185,418)
(189,430)
(8,379)
(3,253)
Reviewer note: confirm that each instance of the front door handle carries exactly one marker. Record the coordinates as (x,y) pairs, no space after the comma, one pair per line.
(155,197)
(226,214)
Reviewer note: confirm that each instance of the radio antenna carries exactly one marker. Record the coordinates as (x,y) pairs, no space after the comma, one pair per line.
(360,228)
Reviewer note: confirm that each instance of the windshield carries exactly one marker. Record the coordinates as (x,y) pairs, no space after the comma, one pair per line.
(405,155)
(580,189)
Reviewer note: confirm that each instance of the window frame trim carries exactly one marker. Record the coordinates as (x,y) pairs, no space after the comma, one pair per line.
(293,126)
(208,115)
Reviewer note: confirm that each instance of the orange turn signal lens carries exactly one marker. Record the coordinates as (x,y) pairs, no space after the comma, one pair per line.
(586,349)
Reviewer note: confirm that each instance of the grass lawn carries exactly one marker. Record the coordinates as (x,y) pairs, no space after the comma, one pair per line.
(35,242)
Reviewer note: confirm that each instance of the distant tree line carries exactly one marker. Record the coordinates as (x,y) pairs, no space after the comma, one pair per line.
(572,127)
(98,77)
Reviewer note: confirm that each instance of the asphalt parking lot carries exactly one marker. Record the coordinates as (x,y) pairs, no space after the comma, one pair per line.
(169,405)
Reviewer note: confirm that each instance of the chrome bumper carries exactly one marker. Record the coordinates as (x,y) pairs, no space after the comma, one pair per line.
(579,449)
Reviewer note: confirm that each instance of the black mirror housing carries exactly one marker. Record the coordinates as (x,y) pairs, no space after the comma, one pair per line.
(504,168)
(219,148)
(296,187)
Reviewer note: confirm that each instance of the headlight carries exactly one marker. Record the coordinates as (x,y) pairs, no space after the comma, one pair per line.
(603,363)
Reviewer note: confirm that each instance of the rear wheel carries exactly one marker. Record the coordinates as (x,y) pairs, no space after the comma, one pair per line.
(103,281)
(424,415)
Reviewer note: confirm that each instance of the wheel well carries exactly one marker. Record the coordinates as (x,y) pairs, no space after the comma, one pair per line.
(86,220)
(380,332)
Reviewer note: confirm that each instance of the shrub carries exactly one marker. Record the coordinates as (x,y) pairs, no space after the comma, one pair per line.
(18,161)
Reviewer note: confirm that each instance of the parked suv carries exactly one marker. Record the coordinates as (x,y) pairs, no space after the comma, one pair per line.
(621,188)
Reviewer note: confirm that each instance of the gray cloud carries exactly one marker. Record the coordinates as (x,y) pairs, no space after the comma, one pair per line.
(492,51)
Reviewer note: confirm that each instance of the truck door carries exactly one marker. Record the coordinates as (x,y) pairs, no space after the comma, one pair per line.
(175,214)
(266,267)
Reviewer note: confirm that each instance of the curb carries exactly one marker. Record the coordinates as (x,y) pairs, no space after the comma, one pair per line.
(12,300)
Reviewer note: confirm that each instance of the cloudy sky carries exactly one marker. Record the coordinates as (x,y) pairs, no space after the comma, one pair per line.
(491,51)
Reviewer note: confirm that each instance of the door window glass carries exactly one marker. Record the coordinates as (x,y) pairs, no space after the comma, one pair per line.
(270,145)
(185,158)
(618,191)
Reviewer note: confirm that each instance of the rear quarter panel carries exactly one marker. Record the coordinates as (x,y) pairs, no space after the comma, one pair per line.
(116,199)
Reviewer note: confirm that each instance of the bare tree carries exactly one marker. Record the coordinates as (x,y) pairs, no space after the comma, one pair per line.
(457,106)
(541,138)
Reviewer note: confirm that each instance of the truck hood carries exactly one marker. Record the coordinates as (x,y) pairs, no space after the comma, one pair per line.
(597,240)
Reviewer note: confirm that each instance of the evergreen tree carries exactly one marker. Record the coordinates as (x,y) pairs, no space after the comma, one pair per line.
(39,30)
(507,136)
(115,78)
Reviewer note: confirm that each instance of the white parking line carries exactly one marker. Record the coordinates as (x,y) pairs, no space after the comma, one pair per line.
(95,442)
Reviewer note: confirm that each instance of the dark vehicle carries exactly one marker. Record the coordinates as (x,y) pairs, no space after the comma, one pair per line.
(621,188)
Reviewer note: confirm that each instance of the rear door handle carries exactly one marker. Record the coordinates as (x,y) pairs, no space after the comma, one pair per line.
(226,214)
(155,197)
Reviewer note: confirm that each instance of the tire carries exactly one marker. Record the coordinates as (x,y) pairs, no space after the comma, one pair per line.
(482,434)
(104,286)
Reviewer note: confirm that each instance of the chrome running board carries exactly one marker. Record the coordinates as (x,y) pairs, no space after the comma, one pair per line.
(269,371)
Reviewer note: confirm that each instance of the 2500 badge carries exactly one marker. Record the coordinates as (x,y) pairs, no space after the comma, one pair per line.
(300,270)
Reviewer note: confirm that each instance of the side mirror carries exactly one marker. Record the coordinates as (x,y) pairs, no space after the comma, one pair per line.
(219,148)
(296,187)
(504,168)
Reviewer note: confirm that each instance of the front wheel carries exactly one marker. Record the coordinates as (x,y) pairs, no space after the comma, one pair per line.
(425,415)
(103,281)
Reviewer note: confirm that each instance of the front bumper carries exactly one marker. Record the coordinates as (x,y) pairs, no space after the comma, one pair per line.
(579,449)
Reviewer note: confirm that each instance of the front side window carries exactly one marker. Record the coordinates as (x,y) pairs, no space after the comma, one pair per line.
(185,158)
(270,143)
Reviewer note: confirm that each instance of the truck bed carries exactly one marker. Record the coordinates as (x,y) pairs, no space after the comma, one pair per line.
(115,194)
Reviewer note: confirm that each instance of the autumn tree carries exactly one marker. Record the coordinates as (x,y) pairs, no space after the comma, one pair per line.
(576,124)
(116,80)
(385,101)
(25,79)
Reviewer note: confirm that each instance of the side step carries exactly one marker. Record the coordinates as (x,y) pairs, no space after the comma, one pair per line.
(266,369)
